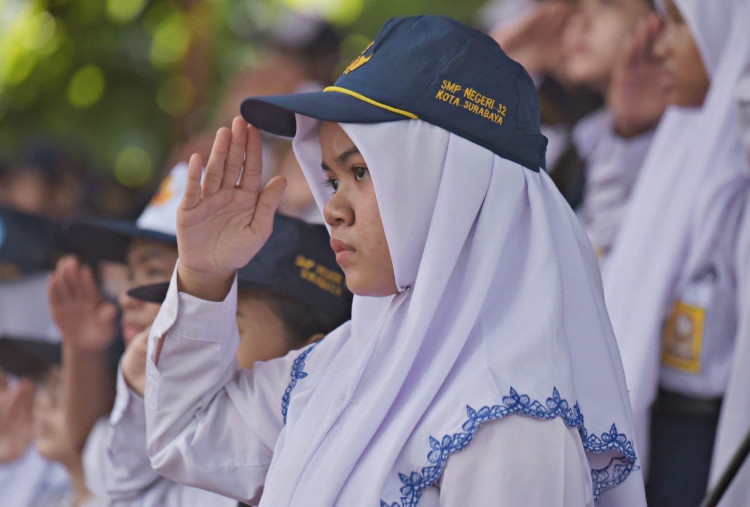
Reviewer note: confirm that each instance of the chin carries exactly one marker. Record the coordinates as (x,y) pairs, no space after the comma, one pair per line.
(370,288)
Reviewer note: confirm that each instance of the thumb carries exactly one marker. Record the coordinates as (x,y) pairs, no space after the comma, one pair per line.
(268,202)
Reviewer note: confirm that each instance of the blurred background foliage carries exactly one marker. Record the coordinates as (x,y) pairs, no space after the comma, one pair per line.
(124,81)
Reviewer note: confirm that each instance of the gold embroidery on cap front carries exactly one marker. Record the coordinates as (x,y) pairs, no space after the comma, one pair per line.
(360,60)
(320,276)
(471,100)
(683,337)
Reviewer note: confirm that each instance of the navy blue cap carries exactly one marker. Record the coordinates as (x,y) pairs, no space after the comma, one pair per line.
(431,68)
(28,243)
(296,262)
(107,239)
(25,357)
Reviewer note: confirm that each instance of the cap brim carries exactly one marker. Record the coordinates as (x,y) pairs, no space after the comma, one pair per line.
(275,113)
(24,357)
(103,239)
(152,293)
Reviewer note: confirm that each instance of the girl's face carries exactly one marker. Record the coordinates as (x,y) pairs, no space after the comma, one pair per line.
(594,37)
(148,262)
(49,425)
(262,334)
(357,234)
(686,79)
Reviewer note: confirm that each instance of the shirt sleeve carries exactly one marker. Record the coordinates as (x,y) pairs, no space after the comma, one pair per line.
(127,470)
(519,461)
(210,424)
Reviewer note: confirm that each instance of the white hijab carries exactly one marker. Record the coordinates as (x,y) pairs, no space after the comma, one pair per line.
(734,423)
(694,173)
(500,312)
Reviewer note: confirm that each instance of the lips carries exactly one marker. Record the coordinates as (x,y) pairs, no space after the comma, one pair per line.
(342,250)
(129,330)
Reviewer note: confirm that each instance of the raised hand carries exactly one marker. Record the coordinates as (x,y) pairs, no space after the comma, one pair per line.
(133,362)
(16,403)
(83,318)
(225,220)
(636,94)
(535,41)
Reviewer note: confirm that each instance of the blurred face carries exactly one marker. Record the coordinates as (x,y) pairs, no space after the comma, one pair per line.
(594,38)
(686,79)
(49,427)
(262,333)
(357,234)
(148,262)
(26,191)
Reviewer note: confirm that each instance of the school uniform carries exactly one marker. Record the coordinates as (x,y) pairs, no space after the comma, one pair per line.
(734,421)
(670,280)
(117,465)
(499,315)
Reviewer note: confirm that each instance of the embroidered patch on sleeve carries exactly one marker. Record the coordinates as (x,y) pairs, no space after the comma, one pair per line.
(683,337)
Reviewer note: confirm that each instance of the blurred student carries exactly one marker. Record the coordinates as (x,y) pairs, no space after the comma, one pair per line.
(734,422)
(606,48)
(671,280)
(28,246)
(87,322)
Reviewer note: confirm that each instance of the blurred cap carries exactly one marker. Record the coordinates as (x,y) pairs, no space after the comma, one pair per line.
(28,244)
(430,68)
(297,262)
(105,239)
(25,357)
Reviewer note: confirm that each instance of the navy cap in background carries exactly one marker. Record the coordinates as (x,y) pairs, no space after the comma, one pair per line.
(28,244)
(431,68)
(296,262)
(28,357)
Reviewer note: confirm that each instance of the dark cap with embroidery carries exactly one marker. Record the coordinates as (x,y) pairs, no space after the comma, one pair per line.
(431,68)
(296,262)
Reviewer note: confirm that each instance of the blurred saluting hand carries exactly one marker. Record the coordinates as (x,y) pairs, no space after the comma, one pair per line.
(225,220)
(16,404)
(83,318)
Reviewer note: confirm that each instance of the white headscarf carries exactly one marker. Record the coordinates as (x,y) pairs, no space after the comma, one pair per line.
(734,422)
(500,312)
(692,178)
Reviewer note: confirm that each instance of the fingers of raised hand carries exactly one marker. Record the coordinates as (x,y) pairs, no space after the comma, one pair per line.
(251,175)
(216,162)
(236,155)
(268,202)
(192,195)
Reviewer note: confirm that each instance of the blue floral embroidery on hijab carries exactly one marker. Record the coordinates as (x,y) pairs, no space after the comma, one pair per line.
(514,404)
(297,374)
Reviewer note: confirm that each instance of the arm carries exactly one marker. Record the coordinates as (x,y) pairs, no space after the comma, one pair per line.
(518,461)
(209,424)
(16,402)
(86,324)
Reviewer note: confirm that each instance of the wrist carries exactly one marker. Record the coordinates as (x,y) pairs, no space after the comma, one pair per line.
(204,285)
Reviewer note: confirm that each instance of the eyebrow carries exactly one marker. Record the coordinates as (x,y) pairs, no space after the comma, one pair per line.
(342,157)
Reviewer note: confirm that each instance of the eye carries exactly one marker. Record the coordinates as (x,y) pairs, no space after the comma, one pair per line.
(331,183)
(156,273)
(360,172)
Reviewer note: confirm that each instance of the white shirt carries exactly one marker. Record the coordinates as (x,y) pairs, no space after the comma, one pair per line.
(214,426)
(117,467)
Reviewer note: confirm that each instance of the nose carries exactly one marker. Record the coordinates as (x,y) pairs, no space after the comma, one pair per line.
(338,211)
(126,302)
(661,43)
